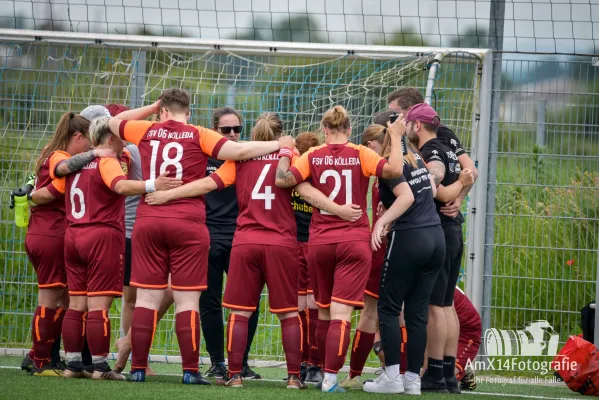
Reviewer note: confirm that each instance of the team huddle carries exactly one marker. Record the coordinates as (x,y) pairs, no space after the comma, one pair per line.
(155,211)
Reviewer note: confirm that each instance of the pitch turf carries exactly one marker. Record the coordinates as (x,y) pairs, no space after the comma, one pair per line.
(17,384)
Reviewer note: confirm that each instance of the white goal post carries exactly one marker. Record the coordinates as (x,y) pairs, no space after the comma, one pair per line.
(44,74)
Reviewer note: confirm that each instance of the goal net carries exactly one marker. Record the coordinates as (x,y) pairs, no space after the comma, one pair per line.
(42,79)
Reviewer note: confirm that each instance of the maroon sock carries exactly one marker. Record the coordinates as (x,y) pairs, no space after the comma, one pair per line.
(322,329)
(360,350)
(403,355)
(98,333)
(188,334)
(305,345)
(237,338)
(143,327)
(58,318)
(292,338)
(73,331)
(42,335)
(337,344)
(312,324)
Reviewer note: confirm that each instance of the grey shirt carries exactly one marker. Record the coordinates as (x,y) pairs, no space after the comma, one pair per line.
(131,202)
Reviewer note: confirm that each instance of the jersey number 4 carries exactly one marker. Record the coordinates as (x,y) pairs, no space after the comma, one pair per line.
(167,161)
(337,188)
(268,196)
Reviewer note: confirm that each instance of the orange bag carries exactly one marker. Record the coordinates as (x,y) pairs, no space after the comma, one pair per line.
(578,365)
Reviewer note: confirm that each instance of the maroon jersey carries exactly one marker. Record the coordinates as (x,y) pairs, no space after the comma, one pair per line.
(342,172)
(265,211)
(90,196)
(49,219)
(467,314)
(177,148)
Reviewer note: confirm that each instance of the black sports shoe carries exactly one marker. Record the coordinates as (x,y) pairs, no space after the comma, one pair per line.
(247,373)
(453,386)
(60,364)
(427,384)
(217,371)
(303,371)
(314,374)
(27,363)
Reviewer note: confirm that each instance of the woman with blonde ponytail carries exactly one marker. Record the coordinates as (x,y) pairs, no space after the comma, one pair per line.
(66,152)
(338,251)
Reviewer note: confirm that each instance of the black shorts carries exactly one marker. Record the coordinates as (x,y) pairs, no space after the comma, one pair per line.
(442,295)
(127,274)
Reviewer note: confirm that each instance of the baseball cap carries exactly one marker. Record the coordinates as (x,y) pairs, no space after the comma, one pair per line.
(116,109)
(382,117)
(92,112)
(424,113)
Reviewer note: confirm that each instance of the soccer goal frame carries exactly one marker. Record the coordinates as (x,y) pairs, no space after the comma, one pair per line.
(286,57)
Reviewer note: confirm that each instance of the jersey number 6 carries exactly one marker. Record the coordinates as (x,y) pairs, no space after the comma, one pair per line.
(75,191)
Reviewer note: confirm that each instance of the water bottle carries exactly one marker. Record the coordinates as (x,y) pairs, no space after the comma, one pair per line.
(404,138)
(21,208)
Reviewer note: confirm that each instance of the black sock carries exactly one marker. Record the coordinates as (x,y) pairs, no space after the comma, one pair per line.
(448,366)
(435,369)
(55,353)
(86,355)
(252,326)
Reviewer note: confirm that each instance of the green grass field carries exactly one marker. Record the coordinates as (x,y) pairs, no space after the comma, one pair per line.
(17,384)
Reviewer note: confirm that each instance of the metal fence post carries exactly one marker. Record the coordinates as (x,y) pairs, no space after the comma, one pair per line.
(139,79)
(541,121)
(496,43)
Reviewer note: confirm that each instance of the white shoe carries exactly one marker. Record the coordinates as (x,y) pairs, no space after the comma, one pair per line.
(384,384)
(354,383)
(411,387)
(331,387)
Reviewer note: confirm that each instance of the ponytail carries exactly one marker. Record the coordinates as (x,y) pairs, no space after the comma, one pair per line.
(407,157)
(69,125)
(268,127)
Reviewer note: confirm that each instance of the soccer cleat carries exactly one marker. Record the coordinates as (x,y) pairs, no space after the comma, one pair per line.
(384,384)
(469,380)
(303,371)
(453,386)
(138,375)
(427,384)
(248,374)
(235,381)
(351,383)
(293,382)
(331,387)
(314,374)
(103,372)
(411,386)
(27,363)
(191,378)
(59,364)
(46,370)
(217,371)
(75,369)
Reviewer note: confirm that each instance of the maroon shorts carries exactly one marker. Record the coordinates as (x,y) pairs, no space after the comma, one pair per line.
(374,278)
(253,265)
(340,272)
(176,246)
(94,258)
(46,253)
(305,283)
(468,345)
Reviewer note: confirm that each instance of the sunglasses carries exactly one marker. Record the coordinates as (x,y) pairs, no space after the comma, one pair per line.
(227,129)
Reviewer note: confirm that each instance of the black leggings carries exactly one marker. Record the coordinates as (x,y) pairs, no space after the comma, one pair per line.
(414,258)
